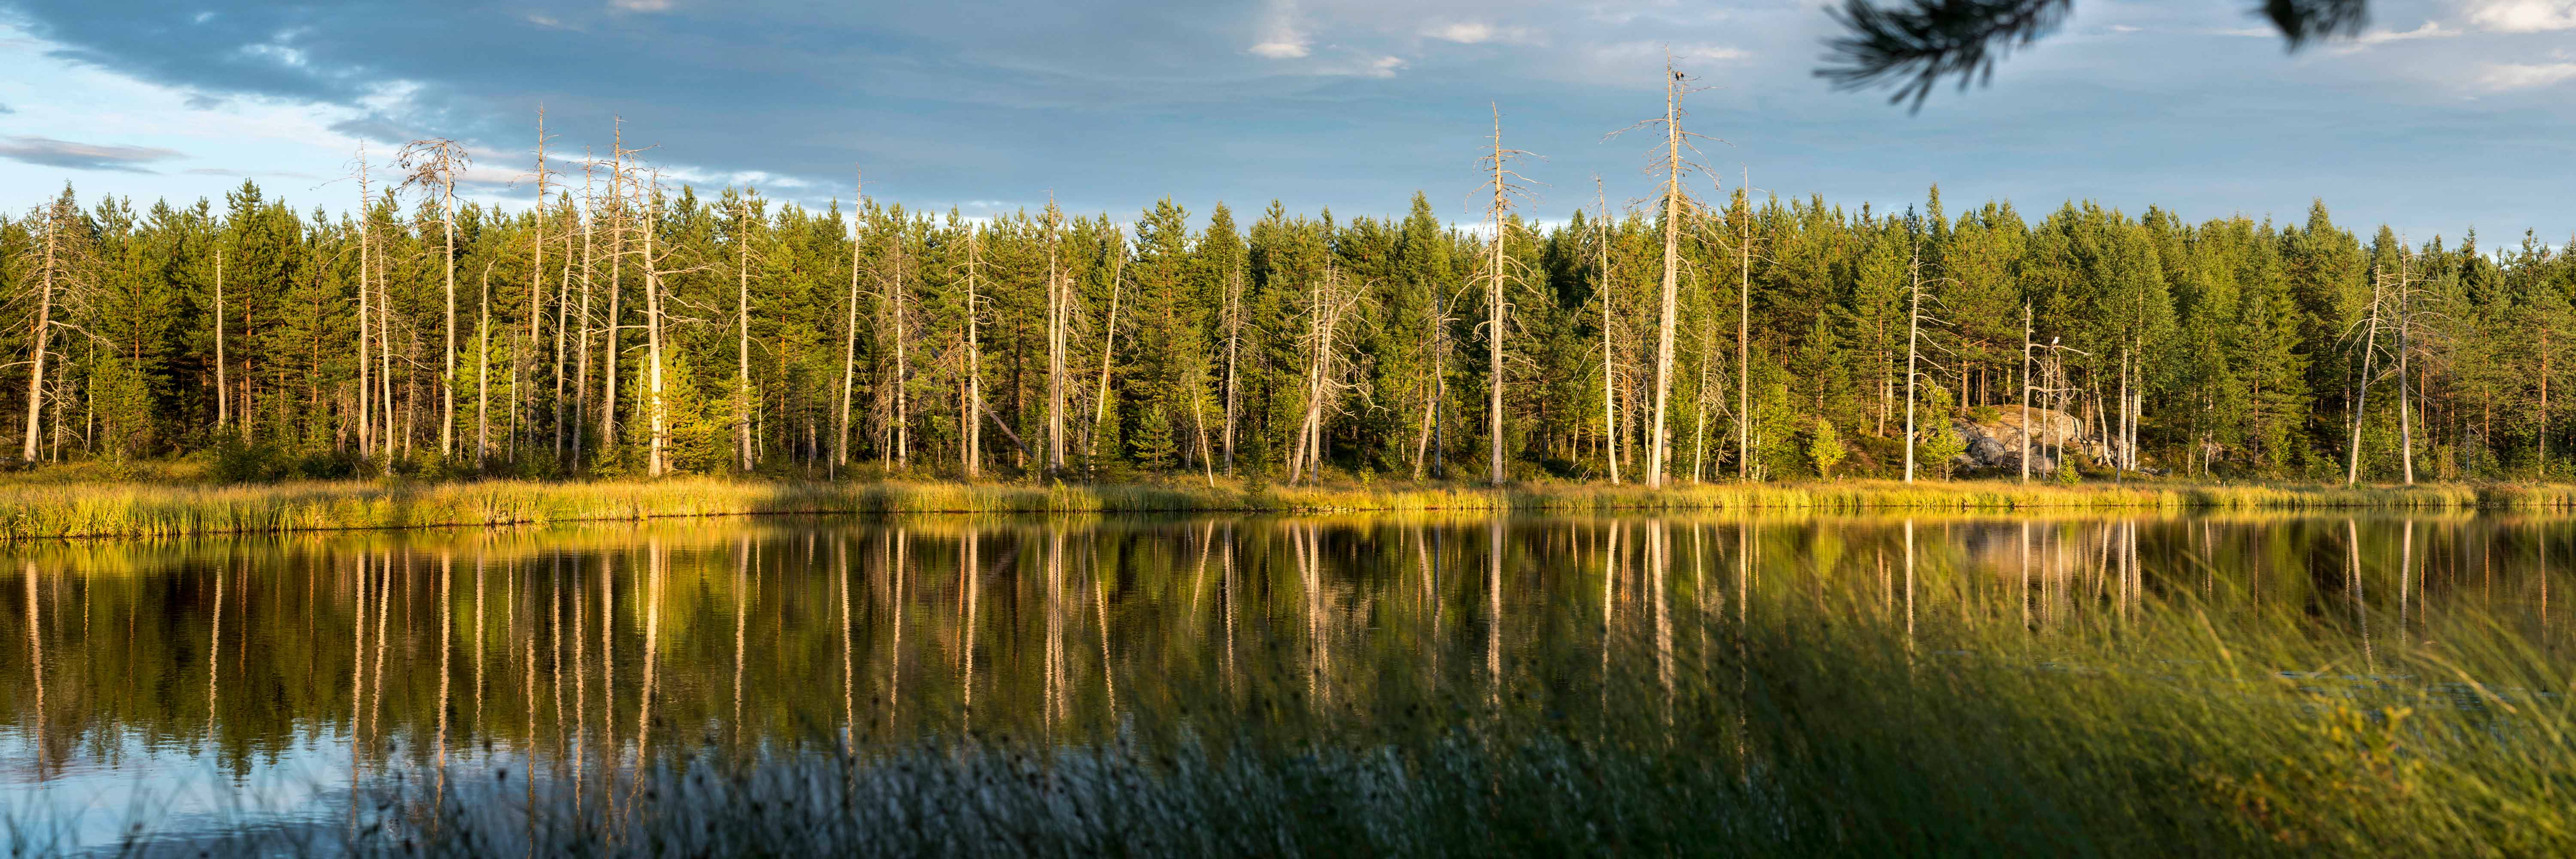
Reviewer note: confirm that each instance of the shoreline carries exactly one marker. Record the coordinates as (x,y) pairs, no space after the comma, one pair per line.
(35,511)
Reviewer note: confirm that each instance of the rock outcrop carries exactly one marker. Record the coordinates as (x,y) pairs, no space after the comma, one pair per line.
(1996,445)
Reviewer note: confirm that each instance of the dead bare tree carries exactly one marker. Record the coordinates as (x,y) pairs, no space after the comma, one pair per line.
(434,163)
(971,450)
(536,289)
(366,277)
(1330,300)
(1506,186)
(1059,301)
(1609,363)
(742,332)
(581,366)
(850,331)
(1674,196)
(1233,343)
(56,272)
(1108,343)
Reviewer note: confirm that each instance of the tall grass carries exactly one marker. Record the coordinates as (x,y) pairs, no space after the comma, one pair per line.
(1826,727)
(49,510)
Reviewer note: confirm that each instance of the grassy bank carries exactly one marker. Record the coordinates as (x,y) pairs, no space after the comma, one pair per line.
(49,509)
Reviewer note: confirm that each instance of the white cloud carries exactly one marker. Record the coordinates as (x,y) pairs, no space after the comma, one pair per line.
(640,5)
(1280,39)
(1477,32)
(1281,49)
(2523,16)
(1385,67)
(2511,76)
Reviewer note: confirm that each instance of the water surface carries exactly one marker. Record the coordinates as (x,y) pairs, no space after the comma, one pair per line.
(207,685)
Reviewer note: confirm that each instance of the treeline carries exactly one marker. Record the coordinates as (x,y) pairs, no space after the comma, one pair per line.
(625,326)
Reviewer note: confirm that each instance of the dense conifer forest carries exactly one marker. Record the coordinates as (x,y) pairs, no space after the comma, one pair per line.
(622,324)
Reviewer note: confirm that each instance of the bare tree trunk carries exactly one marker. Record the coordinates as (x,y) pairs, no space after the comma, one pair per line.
(519,358)
(742,341)
(447,218)
(483,374)
(1699,406)
(563,322)
(1744,346)
(581,367)
(1058,304)
(1659,441)
(385,360)
(366,278)
(1913,330)
(2405,417)
(223,396)
(660,426)
(973,450)
(608,355)
(850,333)
(1609,364)
(1494,305)
(1108,348)
(2026,442)
(902,365)
(44,325)
(1233,338)
(2361,399)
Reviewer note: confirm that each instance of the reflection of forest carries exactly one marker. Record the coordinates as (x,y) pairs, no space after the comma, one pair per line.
(596,647)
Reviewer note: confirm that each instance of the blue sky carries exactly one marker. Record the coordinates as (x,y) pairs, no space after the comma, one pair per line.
(2444,115)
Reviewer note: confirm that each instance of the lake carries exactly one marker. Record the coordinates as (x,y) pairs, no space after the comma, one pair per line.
(206,688)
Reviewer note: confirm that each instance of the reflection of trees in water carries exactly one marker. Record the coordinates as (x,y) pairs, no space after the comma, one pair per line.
(1058,628)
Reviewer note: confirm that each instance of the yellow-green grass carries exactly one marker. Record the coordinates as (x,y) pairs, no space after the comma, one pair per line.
(49,510)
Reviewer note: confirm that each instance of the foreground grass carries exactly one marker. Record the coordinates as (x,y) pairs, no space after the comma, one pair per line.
(48,510)
(1828,728)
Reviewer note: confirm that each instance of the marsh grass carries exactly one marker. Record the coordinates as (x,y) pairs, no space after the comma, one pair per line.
(34,510)
(1813,726)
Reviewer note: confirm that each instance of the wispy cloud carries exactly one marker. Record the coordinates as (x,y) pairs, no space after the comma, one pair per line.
(1479,32)
(2523,16)
(2426,30)
(2513,76)
(72,155)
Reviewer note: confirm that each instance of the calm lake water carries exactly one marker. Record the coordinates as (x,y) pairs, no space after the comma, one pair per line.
(213,684)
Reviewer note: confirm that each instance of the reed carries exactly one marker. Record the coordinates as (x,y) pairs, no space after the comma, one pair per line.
(61,510)
(1824,726)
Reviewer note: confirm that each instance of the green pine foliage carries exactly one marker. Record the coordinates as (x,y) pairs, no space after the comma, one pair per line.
(2237,332)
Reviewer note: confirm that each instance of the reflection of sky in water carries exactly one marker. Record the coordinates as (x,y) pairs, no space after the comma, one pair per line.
(577,651)
(95,798)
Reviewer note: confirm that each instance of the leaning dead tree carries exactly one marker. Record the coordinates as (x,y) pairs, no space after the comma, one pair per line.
(58,253)
(1506,188)
(433,165)
(1669,161)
